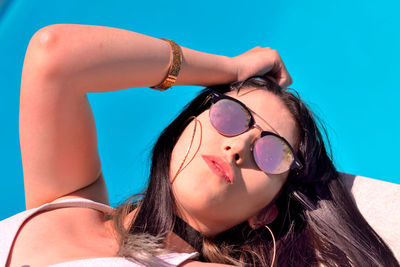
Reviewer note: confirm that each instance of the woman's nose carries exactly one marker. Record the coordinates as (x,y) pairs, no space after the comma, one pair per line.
(238,148)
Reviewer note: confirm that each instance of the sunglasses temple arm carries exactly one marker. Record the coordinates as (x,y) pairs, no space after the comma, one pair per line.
(296,164)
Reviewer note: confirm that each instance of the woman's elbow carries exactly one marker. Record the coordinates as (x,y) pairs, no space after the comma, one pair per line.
(44,53)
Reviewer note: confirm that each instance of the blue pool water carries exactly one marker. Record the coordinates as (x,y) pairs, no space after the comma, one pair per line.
(343,57)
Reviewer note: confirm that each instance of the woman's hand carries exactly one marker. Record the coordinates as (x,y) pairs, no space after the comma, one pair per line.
(262,61)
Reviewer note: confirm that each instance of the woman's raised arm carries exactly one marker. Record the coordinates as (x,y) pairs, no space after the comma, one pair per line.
(64,62)
(57,129)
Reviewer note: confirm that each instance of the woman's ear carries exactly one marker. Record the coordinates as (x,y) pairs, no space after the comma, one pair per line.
(264,217)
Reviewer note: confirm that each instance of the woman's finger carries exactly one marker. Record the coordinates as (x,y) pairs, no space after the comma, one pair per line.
(285,79)
(280,72)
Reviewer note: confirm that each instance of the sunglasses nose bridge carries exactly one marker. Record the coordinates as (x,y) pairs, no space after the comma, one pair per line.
(257,126)
(255,135)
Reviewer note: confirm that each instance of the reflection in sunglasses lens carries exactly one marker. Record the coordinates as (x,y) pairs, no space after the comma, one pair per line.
(272,154)
(229,117)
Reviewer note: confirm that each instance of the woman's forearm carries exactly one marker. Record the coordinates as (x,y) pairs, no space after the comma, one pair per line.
(99,59)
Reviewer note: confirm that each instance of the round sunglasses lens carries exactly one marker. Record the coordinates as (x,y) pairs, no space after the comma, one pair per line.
(272,155)
(229,118)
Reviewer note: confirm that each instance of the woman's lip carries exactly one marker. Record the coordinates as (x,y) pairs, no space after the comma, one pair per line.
(219,167)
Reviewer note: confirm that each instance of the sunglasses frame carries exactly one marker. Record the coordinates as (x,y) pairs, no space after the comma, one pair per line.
(216,96)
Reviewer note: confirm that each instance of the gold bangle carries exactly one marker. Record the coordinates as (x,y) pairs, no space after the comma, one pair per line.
(175,66)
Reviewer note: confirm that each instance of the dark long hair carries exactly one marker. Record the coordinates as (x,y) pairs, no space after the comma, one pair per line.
(318,222)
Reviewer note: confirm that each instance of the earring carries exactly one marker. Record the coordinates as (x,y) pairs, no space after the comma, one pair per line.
(274,243)
(264,217)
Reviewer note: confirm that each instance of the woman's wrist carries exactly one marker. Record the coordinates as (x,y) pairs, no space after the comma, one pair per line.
(203,69)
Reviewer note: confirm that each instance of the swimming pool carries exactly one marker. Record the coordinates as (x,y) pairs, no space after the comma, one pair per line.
(342,56)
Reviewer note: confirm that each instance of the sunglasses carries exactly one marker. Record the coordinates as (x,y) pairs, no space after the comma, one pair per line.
(271,152)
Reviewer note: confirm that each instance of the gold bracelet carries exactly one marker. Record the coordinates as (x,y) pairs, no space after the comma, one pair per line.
(175,66)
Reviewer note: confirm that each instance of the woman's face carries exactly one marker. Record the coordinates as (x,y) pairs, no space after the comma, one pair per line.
(207,201)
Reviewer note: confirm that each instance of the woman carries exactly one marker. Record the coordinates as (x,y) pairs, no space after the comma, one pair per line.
(213,185)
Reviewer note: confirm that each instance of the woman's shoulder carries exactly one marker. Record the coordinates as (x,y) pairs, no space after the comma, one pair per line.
(63,202)
(32,231)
